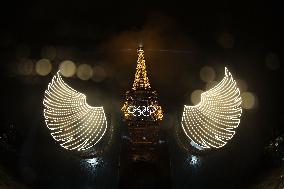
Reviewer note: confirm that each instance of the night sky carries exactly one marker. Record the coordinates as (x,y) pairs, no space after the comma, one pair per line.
(179,39)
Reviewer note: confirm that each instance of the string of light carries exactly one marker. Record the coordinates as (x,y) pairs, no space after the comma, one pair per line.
(73,123)
(151,109)
(141,110)
(141,80)
(212,122)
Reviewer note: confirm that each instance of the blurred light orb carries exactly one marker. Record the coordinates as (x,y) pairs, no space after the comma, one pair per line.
(99,74)
(196,96)
(248,100)
(211,84)
(207,74)
(48,52)
(84,72)
(43,67)
(226,40)
(67,68)
(242,85)
(272,61)
(25,67)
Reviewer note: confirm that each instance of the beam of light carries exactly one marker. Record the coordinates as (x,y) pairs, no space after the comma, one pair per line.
(72,122)
(211,123)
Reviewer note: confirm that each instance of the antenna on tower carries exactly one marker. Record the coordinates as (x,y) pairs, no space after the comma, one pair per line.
(140,45)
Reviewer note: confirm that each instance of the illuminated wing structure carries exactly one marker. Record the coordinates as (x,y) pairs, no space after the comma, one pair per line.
(211,123)
(72,122)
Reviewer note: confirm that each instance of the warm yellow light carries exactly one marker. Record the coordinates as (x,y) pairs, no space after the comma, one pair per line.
(67,68)
(196,96)
(84,72)
(207,74)
(25,67)
(211,123)
(151,108)
(248,100)
(141,80)
(43,67)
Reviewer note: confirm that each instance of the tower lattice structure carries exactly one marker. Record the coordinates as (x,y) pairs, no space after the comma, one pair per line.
(141,109)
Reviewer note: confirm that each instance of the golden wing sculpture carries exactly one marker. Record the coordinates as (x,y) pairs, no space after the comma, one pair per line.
(212,122)
(73,123)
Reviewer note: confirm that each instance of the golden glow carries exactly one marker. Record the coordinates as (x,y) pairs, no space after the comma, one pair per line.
(84,72)
(141,80)
(67,68)
(248,100)
(72,122)
(196,96)
(25,67)
(43,67)
(207,74)
(211,123)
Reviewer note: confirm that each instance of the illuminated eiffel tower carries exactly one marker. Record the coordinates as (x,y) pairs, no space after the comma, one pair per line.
(142,112)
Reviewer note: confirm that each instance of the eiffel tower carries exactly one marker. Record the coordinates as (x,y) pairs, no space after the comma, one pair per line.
(144,158)
(142,113)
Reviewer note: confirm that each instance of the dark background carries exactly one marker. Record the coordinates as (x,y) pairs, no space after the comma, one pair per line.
(179,39)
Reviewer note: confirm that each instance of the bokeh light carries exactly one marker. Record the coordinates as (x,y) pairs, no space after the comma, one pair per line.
(196,96)
(272,61)
(43,67)
(48,52)
(207,74)
(99,74)
(84,71)
(242,85)
(248,100)
(211,84)
(67,68)
(25,67)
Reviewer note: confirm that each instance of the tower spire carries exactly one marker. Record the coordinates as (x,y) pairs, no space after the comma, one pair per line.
(141,80)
